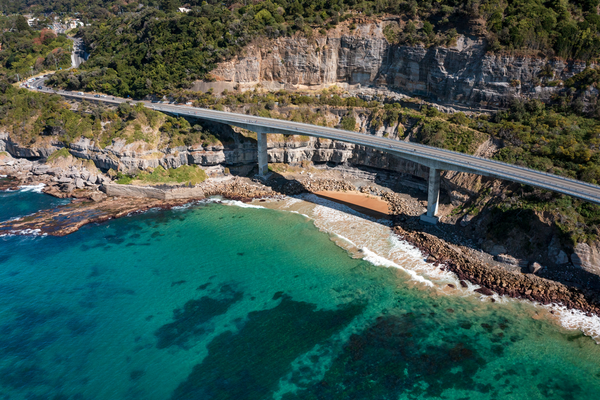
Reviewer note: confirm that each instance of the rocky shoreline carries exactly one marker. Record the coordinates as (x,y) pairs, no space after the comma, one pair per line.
(91,205)
(493,279)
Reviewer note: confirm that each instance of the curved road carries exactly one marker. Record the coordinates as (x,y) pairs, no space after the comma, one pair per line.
(430,156)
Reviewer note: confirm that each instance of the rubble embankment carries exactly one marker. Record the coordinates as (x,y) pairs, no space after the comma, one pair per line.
(494,279)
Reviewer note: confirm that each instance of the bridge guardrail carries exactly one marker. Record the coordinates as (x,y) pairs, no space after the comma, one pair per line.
(257,120)
(449,152)
(305,129)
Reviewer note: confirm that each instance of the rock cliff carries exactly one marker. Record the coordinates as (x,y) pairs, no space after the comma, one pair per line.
(464,73)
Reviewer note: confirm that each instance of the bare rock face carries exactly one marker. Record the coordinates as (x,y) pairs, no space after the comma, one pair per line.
(464,73)
(556,253)
(586,257)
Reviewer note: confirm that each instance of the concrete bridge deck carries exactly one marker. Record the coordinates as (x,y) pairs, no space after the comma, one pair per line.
(434,158)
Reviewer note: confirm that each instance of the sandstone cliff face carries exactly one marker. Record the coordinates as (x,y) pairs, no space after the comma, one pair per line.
(463,74)
(122,157)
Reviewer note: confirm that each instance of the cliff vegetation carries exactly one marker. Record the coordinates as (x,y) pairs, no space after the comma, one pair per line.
(151,51)
(25,51)
(32,117)
(188,174)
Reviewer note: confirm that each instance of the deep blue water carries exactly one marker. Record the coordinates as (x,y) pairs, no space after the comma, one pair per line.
(220,302)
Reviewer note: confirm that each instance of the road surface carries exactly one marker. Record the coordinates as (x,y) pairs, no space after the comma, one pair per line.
(78,56)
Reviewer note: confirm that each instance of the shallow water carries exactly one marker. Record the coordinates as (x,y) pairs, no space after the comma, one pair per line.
(222,302)
(26,201)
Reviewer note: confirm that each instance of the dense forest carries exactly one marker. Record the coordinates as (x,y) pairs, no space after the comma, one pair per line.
(25,51)
(157,49)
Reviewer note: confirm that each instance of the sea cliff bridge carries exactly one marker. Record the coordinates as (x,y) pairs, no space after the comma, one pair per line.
(434,158)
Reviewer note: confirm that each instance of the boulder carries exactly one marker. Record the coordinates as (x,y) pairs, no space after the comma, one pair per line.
(562,258)
(40,169)
(466,219)
(64,179)
(555,252)
(102,180)
(67,187)
(535,267)
(54,171)
(97,196)
(507,259)
(485,291)
(493,248)
(79,183)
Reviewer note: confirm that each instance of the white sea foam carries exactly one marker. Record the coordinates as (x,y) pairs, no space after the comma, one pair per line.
(384,262)
(24,232)
(241,204)
(3,176)
(577,320)
(193,203)
(32,188)
(299,213)
(289,201)
(370,236)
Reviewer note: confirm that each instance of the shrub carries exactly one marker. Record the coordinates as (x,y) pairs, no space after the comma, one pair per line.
(348,123)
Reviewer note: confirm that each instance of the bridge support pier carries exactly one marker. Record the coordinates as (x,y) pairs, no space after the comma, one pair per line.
(263,156)
(433,196)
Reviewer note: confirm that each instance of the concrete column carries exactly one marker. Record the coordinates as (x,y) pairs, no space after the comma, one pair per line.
(263,157)
(433,196)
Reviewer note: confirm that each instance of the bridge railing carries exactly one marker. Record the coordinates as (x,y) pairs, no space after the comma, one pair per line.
(449,152)
(305,128)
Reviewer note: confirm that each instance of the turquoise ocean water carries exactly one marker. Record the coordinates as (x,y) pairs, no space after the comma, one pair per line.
(221,302)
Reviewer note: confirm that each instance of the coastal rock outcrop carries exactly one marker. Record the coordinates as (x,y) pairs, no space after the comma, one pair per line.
(464,73)
(587,258)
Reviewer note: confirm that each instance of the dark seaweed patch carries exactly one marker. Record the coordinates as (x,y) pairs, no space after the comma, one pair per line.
(202,287)
(389,358)
(248,364)
(114,239)
(79,326)
(136,374)
(277,295)
(21,376)
(189,321)
(177,283)
(24,335)
(95,272)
